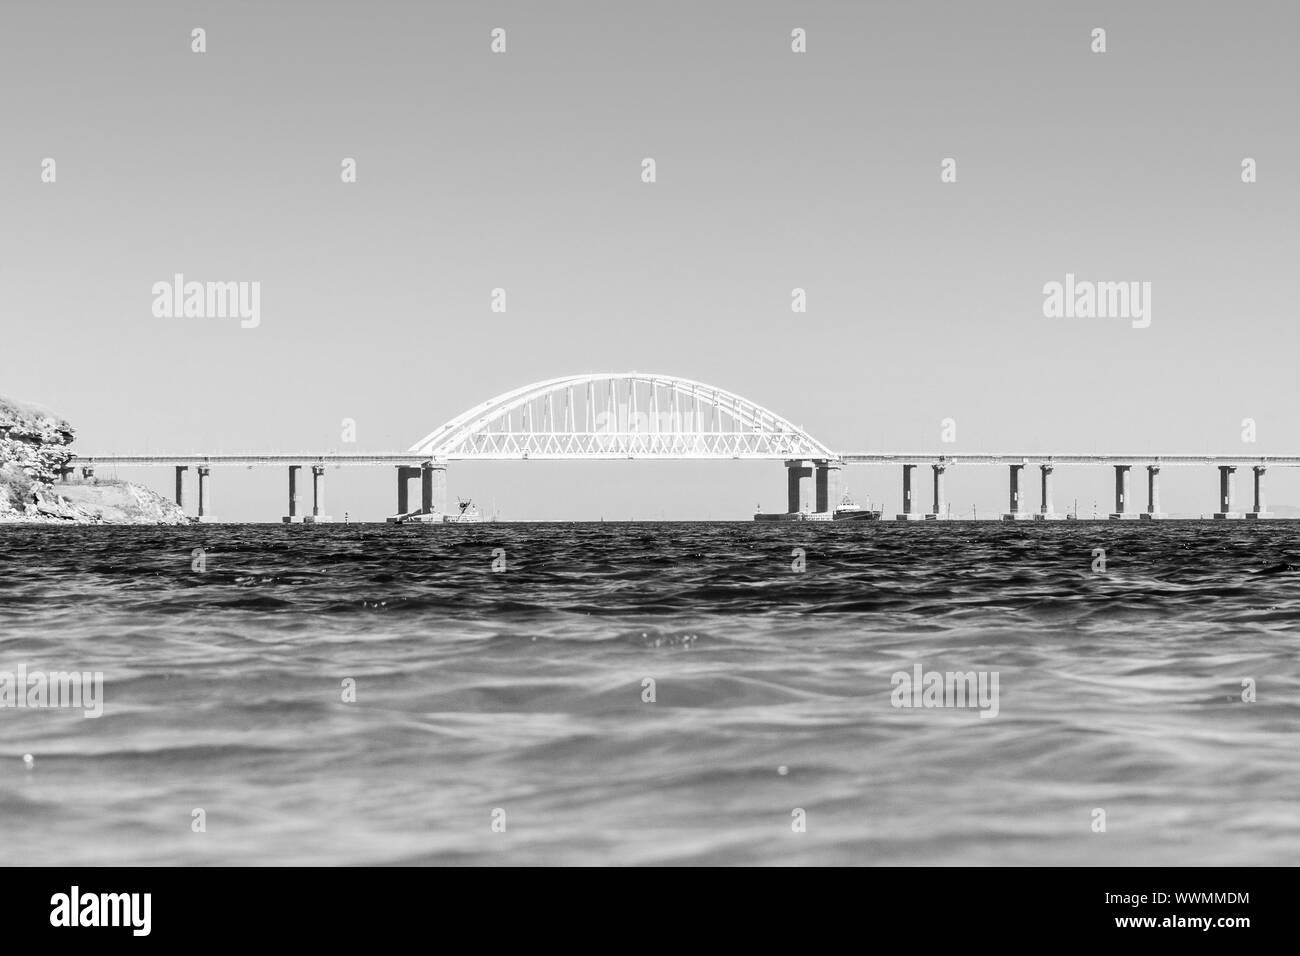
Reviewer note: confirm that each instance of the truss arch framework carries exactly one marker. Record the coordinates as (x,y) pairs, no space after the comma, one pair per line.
(619,415)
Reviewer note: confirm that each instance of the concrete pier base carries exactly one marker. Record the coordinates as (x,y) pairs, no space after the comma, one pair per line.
(822,487)
(317,515)
(1256,515)
(1049,516)
(404,475)
(1153,512)
(433,489)
(205,496)
(433,494)
(1258,511)
(293,517)
(1013,512)
(1121,512)
(797,473)
(909,513)
(1227,494)
(1152,516)
(937,513)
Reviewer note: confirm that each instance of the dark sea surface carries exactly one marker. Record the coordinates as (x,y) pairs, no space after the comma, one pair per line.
(522,691)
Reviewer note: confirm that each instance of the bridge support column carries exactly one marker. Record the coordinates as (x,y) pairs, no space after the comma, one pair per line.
(205,495)
(1046,507)
(1153,494)
(433,489)
(317,515)
(180,485)
(796,472)
(293,517)
(1121,512)
(1258,510)
(1013,498)
(1227,492)
(87,472)
(909,513)
(821,484)
(937,512)
(404,474)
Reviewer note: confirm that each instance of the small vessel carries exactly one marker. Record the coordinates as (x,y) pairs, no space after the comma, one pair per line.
(804,515)
(467,514)
(417,517)
(850,510)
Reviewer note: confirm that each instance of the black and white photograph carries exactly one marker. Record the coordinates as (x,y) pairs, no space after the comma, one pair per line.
(561,434)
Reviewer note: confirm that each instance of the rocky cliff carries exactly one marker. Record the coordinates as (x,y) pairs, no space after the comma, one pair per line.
(35,448)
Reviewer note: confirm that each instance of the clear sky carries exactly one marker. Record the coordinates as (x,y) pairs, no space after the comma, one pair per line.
(775,170)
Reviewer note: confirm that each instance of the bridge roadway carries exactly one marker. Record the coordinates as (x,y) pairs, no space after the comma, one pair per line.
(432,473)
(848,458)
(1039,458)
(939,463)
(306,458)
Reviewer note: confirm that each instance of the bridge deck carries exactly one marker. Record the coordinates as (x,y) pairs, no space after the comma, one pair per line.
(854,458)
(306,458)
(938,458)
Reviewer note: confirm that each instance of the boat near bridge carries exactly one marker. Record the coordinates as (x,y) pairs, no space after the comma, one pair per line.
(466,513)
(847,510)
(850,510)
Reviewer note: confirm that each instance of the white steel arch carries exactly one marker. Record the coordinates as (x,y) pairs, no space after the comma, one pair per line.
(619,415)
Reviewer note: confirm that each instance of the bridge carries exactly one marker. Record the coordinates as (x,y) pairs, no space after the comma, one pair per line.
(635,415)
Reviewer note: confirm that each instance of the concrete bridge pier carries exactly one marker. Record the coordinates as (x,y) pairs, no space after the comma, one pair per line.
(1013,498)
(1227,492)
(205,495)
(318,515)
(909,513)
(293,517)
(822,486)
(433,489)
(404,474)
(1258,511)
(1153,511)
(180,485)
(1046,508)
(1122,485)
(797,472)
(937,513)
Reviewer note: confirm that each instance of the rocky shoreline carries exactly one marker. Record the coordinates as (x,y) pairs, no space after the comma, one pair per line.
(35,452)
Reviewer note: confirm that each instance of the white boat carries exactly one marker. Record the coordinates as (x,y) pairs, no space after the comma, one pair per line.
(467,513)
(418,517)
(850,510)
